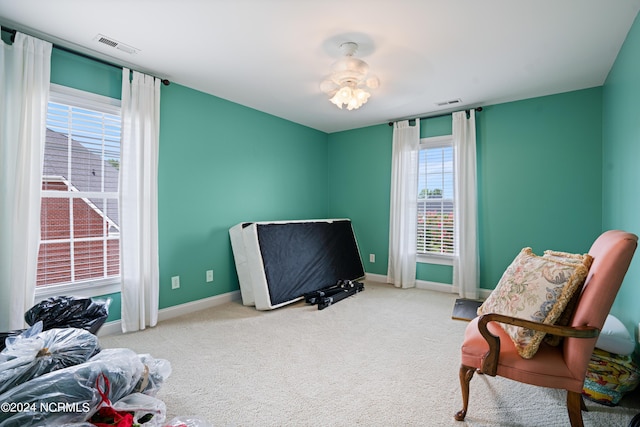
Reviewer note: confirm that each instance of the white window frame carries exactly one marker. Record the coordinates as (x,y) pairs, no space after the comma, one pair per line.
(437,142)
(93,287)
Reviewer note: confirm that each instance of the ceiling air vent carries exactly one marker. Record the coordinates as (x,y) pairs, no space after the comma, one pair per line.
(116,44)
(447,103)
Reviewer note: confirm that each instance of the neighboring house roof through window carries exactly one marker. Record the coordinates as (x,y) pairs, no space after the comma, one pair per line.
(84,173)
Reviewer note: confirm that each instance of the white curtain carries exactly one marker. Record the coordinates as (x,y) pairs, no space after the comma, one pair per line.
(465,264)
(139,200)
(25,68)
(401,270)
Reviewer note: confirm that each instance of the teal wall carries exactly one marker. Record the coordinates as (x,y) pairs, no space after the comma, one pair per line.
(436,126)
(539,180)
(222,164)
(114,306)
(219,164)
(621,157)
(437,273)
(85,74)
(359,168)
(539,177)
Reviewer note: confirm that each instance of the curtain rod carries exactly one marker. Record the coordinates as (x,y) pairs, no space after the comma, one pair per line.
(11,31)
(478,109)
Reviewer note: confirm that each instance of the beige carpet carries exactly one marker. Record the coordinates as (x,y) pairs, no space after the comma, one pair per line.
(384,357)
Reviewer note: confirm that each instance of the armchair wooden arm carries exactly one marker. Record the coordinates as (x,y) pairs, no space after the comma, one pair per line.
(490,363)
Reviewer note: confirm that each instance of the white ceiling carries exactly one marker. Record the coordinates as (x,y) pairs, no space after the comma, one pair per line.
(271,55)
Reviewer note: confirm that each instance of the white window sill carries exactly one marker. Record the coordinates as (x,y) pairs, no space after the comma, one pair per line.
(435,259)
(88,289)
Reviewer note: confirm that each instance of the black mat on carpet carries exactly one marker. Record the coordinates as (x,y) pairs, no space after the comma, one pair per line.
(465,309)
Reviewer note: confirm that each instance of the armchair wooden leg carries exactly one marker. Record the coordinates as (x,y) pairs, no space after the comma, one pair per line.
(575,406)
(466,373)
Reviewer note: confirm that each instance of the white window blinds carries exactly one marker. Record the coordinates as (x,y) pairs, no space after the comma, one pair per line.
(79,220)
(436,198)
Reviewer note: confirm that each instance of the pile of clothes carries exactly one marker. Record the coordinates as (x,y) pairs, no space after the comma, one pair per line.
(55,373)
(612,370)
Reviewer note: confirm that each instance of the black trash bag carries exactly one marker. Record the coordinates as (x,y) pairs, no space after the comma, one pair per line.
(69,312)
(36,352)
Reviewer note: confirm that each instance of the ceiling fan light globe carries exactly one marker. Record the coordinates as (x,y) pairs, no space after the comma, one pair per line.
(353,65)
(361,95)
(345,94)
(328,86)
(373,83)
(336,100)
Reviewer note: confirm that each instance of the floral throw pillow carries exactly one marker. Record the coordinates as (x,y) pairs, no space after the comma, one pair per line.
(533,288)
(584,259)
(565,317)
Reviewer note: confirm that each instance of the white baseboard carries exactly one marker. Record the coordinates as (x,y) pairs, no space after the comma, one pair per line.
(420,284)
(445,287)
(376,277)
(484,293)
(425,284)
(114,327)
(201,304)
(436,286)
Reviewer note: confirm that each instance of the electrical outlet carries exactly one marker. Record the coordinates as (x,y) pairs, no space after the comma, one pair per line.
(372,258)
(175,282)
(209,275)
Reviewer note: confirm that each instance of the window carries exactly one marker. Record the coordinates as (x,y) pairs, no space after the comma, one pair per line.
(436,197)
(80,233)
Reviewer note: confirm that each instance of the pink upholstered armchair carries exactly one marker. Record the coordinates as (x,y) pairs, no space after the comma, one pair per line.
(489,350)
